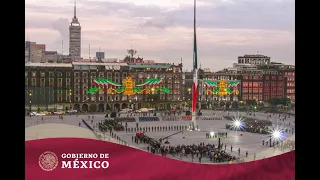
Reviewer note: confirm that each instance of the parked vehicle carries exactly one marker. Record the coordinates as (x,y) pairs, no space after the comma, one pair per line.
(37,114)
(59,113)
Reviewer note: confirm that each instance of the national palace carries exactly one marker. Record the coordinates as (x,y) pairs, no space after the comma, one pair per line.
(65,85)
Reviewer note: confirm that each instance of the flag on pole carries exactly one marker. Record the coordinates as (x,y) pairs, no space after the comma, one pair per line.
(195,64)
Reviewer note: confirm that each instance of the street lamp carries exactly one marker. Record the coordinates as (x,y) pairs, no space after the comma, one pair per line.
(30,95)
(189,92)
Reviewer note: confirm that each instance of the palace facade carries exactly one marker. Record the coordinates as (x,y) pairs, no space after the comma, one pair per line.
(62,86)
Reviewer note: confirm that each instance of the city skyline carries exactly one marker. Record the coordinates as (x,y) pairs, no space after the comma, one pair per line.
(162,31)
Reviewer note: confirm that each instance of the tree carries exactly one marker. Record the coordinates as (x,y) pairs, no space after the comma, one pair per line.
(251,102)
(279,101)
(284,101)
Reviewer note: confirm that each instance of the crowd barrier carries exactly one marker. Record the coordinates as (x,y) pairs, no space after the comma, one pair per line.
(158,128)
(149,118)
(188,118)
(211,118)
(125,119)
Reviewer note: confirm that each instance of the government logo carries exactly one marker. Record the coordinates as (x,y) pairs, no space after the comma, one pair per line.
(48,161)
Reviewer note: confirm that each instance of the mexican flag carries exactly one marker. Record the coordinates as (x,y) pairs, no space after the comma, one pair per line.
(195,65)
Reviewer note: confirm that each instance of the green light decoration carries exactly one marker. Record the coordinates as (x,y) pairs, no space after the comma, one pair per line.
(128,87)
(221,87)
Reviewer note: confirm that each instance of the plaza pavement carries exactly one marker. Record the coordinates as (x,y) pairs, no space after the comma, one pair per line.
(250,142)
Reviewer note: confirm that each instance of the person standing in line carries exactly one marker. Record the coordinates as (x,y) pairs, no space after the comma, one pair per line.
(246,154)
(239,151)
(254,156)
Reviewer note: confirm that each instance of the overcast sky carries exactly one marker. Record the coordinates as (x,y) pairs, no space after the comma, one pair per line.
(162,30)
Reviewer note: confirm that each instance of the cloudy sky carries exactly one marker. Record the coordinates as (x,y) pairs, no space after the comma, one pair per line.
(162,30)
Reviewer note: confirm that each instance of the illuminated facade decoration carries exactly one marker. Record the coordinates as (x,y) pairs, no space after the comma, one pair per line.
(221,87)
(128,87)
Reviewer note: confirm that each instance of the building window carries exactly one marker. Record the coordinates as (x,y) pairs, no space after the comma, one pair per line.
(51,74)
(42,74)
(34,74)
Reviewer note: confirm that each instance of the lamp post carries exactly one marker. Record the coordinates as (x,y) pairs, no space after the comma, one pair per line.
(270,141)
(70,95)
(152,94)
(189,91)
(30,96)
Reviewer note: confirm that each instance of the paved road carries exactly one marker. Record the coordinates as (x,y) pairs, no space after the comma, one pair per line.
(250,142)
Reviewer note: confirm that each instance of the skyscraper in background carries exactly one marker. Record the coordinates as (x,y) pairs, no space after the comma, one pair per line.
(75,36)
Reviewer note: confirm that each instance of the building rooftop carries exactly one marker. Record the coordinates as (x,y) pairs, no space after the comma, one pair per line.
(48,65)
(28,64)
(254,56)
(164,66)
(99,64)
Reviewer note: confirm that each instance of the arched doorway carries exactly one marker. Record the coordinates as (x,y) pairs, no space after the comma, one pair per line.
(124,106)
(228,104)
(108,107)
(84,107)
(117,107)
(76,107)
(168,106)
(93,108)
(222,103)
(234,104)
(101,108)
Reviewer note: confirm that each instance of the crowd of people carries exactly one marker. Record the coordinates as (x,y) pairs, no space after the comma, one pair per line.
(109,124)
(125,119)
(253,126)
(158,128)
(211,117)
(216,135)
(216,154)
(171,118)
(149,118)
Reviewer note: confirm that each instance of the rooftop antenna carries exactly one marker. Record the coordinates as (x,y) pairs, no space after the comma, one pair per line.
(181,60)
(89,52)
(62,47)
(75,9)
(99,58)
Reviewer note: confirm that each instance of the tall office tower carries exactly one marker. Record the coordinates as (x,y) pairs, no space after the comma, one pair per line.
(75,36)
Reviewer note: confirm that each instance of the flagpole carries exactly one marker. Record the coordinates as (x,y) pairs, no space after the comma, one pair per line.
(195,72)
